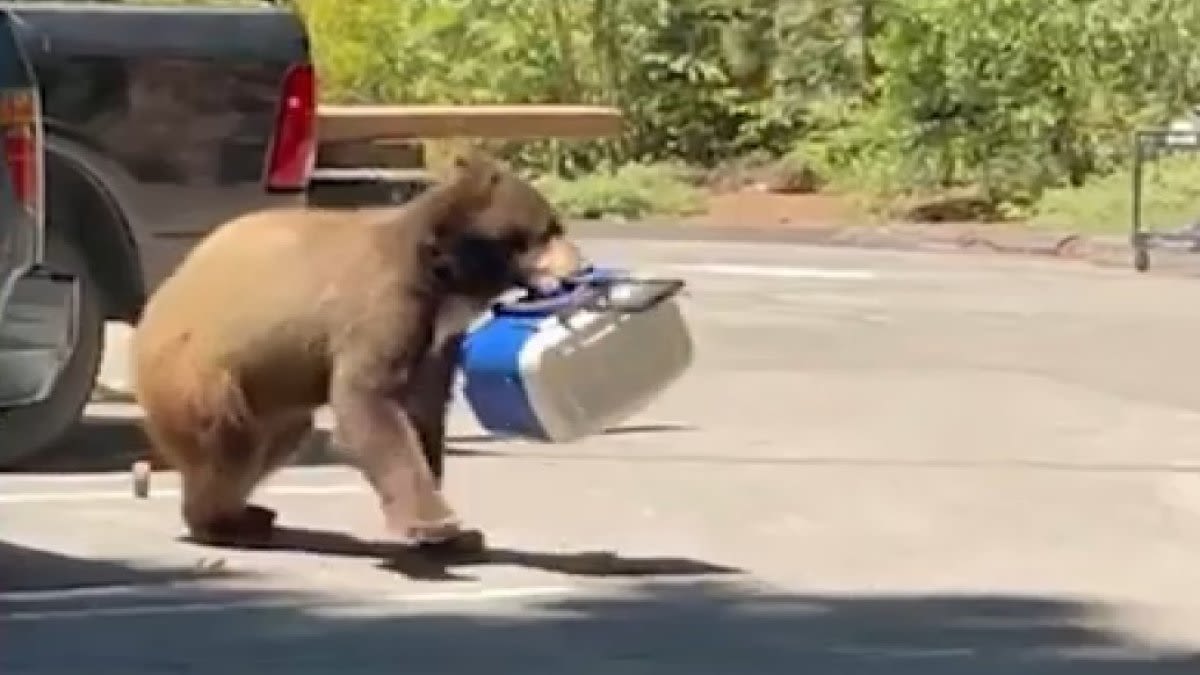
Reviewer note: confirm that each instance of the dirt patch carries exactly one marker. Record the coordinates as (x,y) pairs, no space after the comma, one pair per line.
(834,219)
(752,207)
(755,214)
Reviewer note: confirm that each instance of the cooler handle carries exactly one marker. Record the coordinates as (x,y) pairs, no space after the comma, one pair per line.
(602,301)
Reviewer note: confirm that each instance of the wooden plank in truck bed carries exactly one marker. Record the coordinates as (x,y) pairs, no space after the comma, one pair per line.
(362,122)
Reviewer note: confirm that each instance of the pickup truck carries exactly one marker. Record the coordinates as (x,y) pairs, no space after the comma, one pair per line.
(38,307)
(160,122)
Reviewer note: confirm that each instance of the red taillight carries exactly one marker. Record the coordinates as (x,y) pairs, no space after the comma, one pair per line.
(294,146)
(21,148)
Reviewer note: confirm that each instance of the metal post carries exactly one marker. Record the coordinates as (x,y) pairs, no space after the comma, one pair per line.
(1141,257)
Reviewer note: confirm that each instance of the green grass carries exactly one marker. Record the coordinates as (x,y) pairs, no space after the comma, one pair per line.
(1171,199)
(633,191)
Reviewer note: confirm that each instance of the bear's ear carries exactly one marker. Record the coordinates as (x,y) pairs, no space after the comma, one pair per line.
(477,173)
(468,187)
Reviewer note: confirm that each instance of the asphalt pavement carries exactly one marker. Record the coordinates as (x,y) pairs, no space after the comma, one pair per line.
(881,462)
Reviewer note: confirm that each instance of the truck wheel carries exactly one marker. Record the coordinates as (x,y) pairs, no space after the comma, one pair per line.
(26,433)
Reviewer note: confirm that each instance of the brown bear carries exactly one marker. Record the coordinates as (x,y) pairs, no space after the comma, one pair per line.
(280,312)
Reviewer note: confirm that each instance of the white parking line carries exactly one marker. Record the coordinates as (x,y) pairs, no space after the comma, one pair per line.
(779,271)
(83,592)
(139,610)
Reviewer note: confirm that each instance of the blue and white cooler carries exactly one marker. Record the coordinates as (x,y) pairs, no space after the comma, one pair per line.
(565,365)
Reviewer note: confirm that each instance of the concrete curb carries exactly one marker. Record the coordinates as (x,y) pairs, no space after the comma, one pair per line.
(112,382)
(1105,251)
(103,393)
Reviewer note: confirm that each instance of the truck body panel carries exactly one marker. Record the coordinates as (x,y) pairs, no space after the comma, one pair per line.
(170,110)
(38,307)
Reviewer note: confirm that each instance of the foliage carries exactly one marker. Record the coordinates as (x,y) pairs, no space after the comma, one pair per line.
(1016,96)
(699,81)
(633,191)
(1171,199)
(888,98)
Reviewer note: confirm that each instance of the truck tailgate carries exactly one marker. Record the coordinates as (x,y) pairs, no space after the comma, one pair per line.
(78,28)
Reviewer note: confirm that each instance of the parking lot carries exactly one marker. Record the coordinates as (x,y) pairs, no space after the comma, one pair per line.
(880,462)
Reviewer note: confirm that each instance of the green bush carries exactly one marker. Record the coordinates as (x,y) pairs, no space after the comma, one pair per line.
(633,191)
(1171,199)
(700,81)
(888,99)
(1017,97)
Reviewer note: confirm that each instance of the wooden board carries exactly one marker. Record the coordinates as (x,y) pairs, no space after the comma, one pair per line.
(342,123)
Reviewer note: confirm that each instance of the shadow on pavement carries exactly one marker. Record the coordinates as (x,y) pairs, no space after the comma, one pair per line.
(666,628)
(628,430)
(29,569)
(103,444)
(432,566)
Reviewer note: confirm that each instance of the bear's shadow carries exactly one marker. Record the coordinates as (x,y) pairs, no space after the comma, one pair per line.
(433,565)
(107,444)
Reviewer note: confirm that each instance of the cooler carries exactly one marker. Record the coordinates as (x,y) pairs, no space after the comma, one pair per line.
(573,363)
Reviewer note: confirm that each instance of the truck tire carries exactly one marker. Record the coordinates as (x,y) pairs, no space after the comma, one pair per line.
(29,432)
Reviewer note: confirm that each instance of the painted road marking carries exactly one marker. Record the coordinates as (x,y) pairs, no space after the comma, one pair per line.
(197,607)
(780,271)
(84,592)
